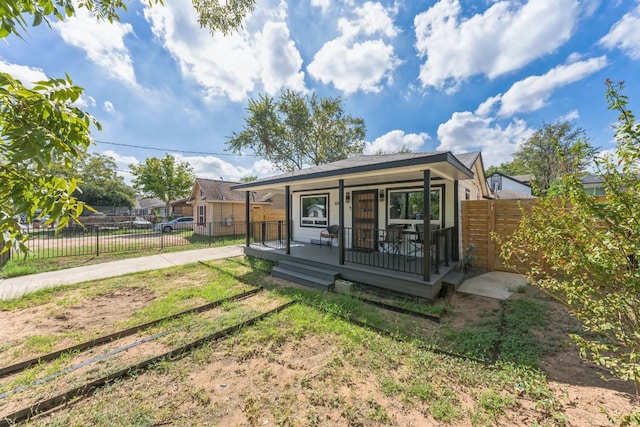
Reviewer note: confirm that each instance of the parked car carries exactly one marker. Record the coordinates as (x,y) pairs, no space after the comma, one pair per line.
(140,222)
(182,223)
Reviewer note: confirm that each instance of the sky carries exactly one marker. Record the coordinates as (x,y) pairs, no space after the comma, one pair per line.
(455,75)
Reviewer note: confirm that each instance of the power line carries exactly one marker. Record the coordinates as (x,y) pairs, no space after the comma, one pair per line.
(173,150)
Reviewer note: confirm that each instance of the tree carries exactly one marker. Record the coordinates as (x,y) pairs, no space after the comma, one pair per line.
(100,184)
(584,250)
(248,178)
(163,179)
(553,151)
(296,131)
(40,127)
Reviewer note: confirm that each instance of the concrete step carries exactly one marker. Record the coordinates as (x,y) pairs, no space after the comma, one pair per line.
(454,279)
(320,273)
(302,278)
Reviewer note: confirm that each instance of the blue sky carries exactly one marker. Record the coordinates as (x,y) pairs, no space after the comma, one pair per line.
(452,75)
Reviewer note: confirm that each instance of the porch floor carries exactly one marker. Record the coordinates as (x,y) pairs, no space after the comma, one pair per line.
(408,282)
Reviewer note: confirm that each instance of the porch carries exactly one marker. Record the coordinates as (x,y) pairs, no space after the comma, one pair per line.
(396,267)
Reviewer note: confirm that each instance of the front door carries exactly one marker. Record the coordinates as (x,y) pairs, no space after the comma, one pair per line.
(365,220)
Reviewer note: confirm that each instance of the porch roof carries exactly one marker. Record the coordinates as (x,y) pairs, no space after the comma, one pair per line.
(367,169)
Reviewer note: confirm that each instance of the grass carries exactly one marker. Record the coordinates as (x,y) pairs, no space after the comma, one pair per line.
(52,260)
(277,372)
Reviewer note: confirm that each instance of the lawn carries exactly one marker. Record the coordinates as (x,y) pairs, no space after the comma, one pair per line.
(328,360)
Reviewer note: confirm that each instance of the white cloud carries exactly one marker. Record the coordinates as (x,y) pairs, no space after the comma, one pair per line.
(322,4)
(532,93)
(466,131)
(29,75)
(26,75)
(364,64)
(396,140)
(102,41)
(506,37)
(571,115)
(231,65)
(110,108)
(213,168)
(625,34)
(281,62)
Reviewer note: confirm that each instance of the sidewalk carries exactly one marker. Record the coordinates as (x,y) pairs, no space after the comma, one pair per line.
(18,286)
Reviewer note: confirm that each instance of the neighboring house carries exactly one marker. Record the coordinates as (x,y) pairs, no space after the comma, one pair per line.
(216,205)
(593,185)
(378,202)
(510,187)
(157,207)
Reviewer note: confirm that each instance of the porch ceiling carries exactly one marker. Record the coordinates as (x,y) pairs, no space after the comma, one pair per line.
(442,170)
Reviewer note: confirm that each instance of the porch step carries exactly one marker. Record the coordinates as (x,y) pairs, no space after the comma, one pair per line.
(454,279)
(307,275)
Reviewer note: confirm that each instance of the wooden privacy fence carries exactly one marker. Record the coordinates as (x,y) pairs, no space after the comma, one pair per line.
(481,218)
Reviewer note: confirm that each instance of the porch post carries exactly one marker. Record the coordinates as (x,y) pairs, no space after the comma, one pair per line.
(247,212)
(426,217)
(456,226)
(341,222)
(287,209)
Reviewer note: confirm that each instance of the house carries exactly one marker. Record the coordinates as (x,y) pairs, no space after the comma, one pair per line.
(398,217)
(593,185)
(221,211)
(510,187)
(152,206)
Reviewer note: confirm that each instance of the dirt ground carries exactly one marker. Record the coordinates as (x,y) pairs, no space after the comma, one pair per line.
(578,384)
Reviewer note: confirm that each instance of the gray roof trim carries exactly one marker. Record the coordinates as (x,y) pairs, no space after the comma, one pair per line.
(509,177)
(411,159)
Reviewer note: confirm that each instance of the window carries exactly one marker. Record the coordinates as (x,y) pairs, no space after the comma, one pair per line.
(202,219)
(314,210)
(406,206)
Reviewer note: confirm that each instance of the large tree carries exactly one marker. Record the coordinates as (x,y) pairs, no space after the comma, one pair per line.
(100,184)
(164,179)
(553,151)
(584,251)
(295,131)
(41,127)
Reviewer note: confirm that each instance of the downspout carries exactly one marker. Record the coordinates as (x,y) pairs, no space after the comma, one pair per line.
(341,222)
(456,229)
(247,212)
(426,245)
(287,209)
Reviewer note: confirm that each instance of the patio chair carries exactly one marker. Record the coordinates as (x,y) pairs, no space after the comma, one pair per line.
(417,244)
(392,239)
(329,234)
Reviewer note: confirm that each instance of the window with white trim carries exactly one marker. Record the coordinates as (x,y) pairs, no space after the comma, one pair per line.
(406,206)
(314,210)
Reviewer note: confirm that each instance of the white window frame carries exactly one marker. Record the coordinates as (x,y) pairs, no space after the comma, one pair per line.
(314,221)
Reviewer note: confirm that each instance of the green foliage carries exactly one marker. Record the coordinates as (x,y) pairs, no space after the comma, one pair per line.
(293,131)
(100,184)
(553,151)
(164,179)
(225,17)
(39,127)
(584,251)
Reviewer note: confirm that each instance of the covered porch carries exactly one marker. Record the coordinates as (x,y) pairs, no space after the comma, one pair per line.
(374,269)
(390,221)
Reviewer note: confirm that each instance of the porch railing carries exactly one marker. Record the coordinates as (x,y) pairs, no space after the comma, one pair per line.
(272,234)
(399,250)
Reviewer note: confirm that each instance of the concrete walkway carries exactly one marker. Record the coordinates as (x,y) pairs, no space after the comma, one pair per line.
(496,284)
(18,286)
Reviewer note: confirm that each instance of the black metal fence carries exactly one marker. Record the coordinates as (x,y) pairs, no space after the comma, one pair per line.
(398,249)
(127,236)
(272,234)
